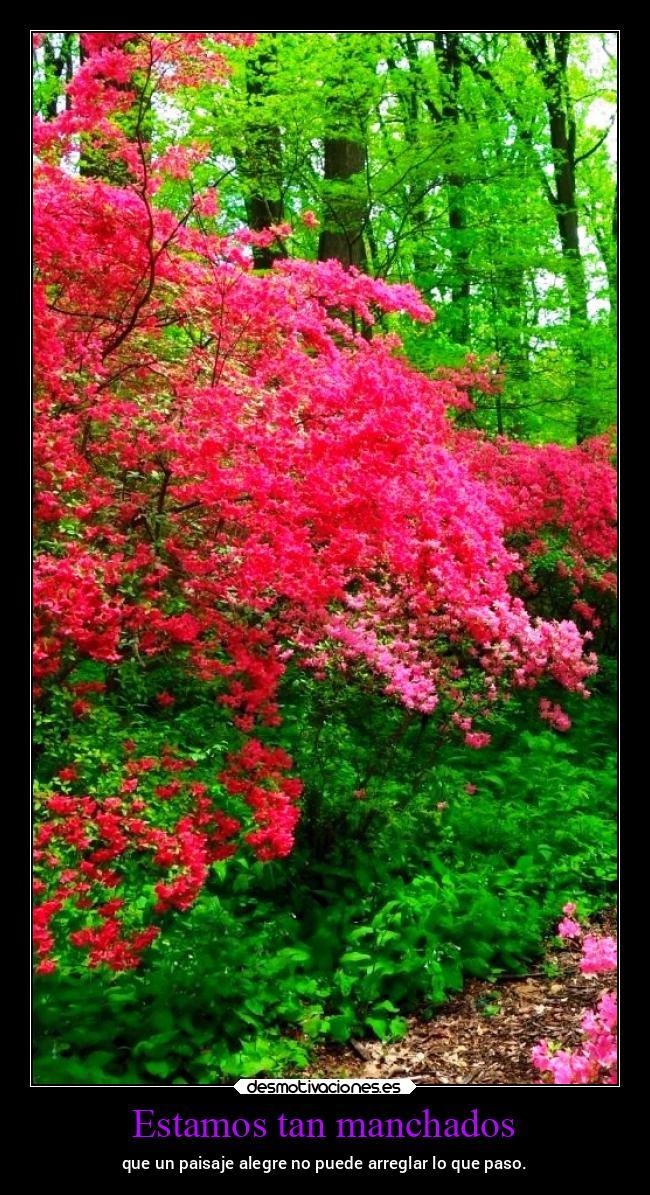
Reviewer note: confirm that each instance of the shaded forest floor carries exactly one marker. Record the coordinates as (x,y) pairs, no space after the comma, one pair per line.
(485,1035)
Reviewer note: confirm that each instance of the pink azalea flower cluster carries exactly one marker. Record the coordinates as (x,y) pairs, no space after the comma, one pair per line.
(554,714)
(598,954)
(547,494)
(596,1061)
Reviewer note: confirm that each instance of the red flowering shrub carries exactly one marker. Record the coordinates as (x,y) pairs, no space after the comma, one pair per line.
(558,507)
(230,477)
(152,842)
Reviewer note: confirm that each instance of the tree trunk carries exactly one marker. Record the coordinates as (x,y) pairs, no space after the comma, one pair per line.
(342,234)
(553,72)
(514,350)
(60,63)
(262,164)
(344,194)
(606,239)
(447,49)
(412,92)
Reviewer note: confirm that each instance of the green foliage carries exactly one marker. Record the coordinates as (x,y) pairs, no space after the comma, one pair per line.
(455,197)
(386,906)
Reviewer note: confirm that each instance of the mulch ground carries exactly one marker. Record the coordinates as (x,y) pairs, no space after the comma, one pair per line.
(485,1035)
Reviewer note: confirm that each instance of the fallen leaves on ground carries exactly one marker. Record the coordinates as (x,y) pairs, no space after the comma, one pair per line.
(465,1044)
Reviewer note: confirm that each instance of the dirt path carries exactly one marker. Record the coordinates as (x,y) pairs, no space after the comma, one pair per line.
(485,1035)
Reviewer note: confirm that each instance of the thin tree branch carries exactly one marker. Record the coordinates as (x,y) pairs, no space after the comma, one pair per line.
(597,145)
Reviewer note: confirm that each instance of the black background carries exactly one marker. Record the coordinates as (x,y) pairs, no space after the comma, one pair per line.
(563,1136)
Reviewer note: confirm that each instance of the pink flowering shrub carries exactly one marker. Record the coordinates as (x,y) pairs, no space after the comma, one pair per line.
(596,1061)
(558,508)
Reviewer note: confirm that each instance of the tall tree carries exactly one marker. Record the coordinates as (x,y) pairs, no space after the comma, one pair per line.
(447,49)
(550,54)
(344,193)
(261,163)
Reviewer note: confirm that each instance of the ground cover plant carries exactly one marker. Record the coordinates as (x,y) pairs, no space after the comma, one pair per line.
(324,702)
